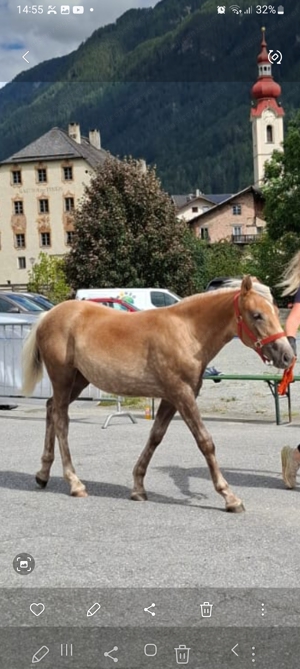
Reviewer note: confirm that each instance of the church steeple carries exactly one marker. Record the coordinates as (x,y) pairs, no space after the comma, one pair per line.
(266,114)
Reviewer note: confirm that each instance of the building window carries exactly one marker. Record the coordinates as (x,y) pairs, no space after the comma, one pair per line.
(69,203)
(69,237)
(68,173)
(20,241)
(195,209)
(237,230)
(270,139)
(22,263)
(41,175)
(18,207)
(16,177)
(45,239)
(44,206)
(237,209)
(204,233)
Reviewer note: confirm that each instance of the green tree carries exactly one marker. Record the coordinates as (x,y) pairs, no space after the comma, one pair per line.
(127,233)
(267,259)
(223,259)
(48,277)
(282,185)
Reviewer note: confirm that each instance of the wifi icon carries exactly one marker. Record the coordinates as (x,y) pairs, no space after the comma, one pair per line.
(235,9)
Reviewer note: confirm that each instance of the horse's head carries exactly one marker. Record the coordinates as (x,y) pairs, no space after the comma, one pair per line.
(258,323)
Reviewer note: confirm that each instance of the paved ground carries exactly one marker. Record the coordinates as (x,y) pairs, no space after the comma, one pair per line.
(180,537)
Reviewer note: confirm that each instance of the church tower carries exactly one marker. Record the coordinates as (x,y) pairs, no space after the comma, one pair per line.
(266,114)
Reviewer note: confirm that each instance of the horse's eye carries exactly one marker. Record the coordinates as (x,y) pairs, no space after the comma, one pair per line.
(256,315)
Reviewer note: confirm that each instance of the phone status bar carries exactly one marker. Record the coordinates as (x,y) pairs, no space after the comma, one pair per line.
(64,10)
(252,9)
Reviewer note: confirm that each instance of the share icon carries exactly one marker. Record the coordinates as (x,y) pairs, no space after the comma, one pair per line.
(108,654)
(152,613)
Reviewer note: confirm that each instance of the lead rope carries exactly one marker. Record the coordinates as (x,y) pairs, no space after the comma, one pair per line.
(288,377)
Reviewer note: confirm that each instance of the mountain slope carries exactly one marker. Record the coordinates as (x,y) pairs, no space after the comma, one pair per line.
(170,84)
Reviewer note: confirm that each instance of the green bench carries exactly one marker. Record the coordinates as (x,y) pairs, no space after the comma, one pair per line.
(273,381)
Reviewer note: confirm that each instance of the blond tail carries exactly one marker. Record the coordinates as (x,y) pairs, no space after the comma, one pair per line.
(32,364)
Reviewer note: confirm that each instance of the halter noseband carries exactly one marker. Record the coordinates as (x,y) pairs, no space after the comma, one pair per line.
(241,325)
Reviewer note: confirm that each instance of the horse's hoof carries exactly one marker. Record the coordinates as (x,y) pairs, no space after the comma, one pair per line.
(79,493)
(40,482)
(236,508)
(138,496)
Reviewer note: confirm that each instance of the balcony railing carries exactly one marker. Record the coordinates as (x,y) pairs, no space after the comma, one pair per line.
(243,239)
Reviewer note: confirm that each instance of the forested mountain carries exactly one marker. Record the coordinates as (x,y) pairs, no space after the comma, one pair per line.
(170,84)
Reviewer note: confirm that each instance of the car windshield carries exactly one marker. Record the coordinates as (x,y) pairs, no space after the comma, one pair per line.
(26,302)
(41,300)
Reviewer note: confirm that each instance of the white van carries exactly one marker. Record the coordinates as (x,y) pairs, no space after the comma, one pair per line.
(142,298)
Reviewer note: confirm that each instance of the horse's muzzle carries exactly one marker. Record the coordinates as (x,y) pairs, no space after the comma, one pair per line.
(279,352)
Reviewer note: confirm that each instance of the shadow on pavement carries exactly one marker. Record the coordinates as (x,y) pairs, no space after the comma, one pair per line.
(244,478)
(22,481)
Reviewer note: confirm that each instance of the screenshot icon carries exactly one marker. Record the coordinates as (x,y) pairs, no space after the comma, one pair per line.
(24,564)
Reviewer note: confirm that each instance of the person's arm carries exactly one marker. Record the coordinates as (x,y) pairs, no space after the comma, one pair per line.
(293,320)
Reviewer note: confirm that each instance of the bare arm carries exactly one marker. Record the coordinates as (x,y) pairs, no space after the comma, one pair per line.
(293,321)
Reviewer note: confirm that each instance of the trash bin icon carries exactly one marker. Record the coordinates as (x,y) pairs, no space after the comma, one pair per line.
(206,610)
(182,654)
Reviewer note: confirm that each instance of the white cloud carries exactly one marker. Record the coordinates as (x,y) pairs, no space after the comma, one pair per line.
(48,36)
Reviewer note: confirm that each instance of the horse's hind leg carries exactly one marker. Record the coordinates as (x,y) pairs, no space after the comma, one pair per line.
(164,415)
(42,476)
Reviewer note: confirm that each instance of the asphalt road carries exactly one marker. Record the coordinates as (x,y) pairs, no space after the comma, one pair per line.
(181,537)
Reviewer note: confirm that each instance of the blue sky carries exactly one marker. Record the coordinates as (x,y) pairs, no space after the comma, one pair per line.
(46,36)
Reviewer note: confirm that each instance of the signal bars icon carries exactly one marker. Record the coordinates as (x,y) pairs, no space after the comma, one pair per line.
(248,11)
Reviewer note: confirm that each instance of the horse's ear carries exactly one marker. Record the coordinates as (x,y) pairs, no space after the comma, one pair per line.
(246,284)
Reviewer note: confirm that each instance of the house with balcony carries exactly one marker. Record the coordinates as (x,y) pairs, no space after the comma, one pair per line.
(238,218)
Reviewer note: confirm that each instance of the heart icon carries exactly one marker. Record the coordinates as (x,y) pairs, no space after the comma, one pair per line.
(37,609)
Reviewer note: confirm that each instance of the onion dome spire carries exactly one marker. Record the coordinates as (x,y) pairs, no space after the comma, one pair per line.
(265,86)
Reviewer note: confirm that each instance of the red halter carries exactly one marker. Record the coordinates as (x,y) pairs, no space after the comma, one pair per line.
(241,325)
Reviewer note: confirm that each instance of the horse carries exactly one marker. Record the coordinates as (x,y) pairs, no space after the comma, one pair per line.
(158,353)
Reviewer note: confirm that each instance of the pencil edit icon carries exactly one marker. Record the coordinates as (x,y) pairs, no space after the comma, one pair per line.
(93,609)
(40,654)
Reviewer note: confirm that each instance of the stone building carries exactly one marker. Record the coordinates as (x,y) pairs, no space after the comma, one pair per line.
(40,186)
(238,219)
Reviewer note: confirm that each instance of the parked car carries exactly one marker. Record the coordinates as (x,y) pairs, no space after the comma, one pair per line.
(40,299)
(114,303)
(18,319)
(15,303)
(220,282)
(142,298)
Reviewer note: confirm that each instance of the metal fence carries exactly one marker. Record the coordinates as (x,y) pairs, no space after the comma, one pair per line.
(12,336)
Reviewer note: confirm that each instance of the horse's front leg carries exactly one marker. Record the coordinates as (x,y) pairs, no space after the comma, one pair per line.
(189,411)
(163,417)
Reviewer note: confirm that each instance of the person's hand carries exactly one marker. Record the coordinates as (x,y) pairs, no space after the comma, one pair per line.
(292,342)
